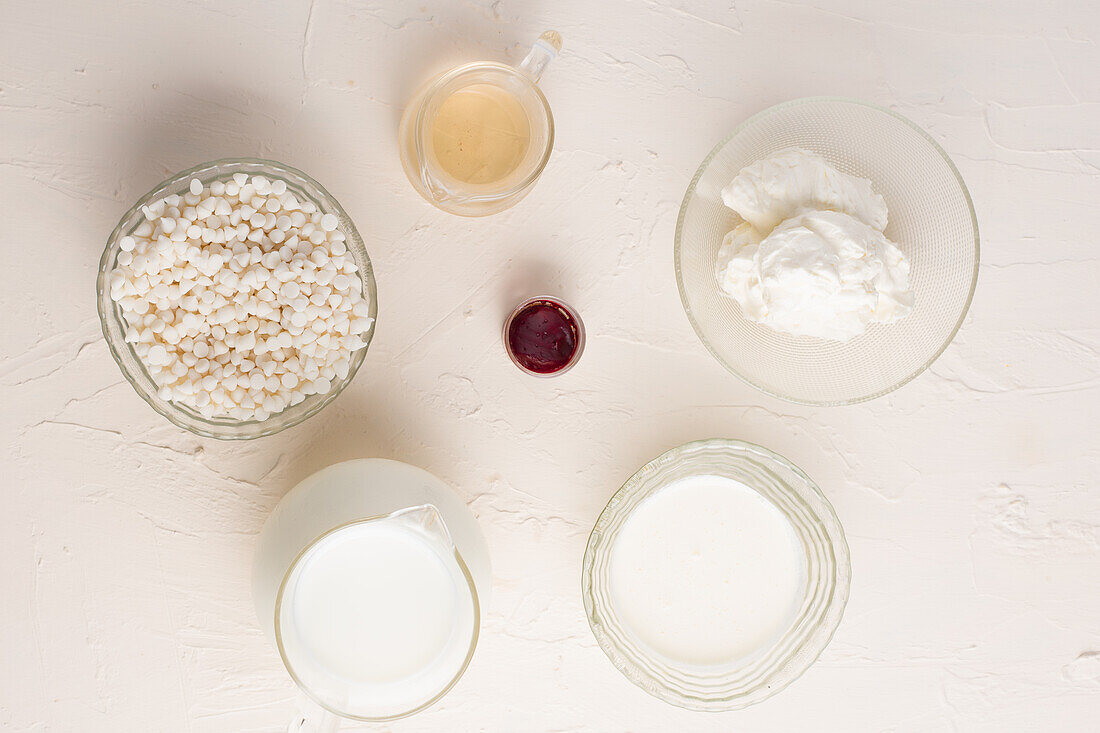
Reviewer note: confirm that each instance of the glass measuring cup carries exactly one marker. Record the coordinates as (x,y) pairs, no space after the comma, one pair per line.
(493,171)
(370,578)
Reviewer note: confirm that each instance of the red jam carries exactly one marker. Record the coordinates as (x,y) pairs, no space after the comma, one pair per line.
(544,336)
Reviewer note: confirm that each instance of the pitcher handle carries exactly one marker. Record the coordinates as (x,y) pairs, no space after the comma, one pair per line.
(544,51)
(309,717)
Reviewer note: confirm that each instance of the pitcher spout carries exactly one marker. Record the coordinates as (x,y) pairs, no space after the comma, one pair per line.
(426,521)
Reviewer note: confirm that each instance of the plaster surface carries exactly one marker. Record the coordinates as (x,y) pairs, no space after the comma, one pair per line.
(970,497)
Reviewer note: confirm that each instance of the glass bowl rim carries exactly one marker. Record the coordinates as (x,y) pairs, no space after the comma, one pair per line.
(106,262)
(820,635)
(678,246)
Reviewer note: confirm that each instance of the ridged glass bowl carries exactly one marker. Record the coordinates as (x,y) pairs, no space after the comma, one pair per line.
(748,680)
(931,218)
(114,327)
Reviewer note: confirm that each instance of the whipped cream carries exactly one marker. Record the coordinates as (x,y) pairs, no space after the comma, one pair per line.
(794,181)
(810,258)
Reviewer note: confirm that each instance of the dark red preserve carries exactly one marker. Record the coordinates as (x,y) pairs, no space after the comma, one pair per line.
(544,336)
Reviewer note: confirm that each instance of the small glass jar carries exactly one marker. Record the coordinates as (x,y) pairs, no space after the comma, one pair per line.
(745,681)
(570,317)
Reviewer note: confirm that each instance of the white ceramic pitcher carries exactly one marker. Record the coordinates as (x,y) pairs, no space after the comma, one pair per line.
(370,579)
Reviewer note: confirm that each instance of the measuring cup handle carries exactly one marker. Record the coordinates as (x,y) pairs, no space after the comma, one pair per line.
(542,53)
(309,717)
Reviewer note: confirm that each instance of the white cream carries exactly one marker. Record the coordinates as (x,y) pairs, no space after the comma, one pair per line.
(823,274)
(379,615)
(811,258)
(795,181)
(707,571)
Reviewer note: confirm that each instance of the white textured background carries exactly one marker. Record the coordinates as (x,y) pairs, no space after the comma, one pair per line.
(970,497)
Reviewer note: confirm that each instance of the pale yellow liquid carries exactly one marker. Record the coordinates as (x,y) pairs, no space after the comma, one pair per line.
(480,134)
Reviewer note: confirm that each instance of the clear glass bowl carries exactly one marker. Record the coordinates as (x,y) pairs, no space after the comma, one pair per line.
(742,682)
(114,327)
(931,219)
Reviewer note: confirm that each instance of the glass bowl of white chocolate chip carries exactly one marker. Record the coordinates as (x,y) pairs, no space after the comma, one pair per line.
(237,298)
(827,251)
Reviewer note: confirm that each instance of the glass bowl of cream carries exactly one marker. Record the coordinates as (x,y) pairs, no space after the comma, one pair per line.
(920,215)
(716,575)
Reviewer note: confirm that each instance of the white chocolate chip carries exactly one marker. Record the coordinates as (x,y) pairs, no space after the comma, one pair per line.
(239,299)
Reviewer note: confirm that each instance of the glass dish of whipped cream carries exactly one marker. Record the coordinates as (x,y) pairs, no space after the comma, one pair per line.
(826,251)
(810,257)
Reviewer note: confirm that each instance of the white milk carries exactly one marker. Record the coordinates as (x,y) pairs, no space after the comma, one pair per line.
(377,614)
(706,571)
